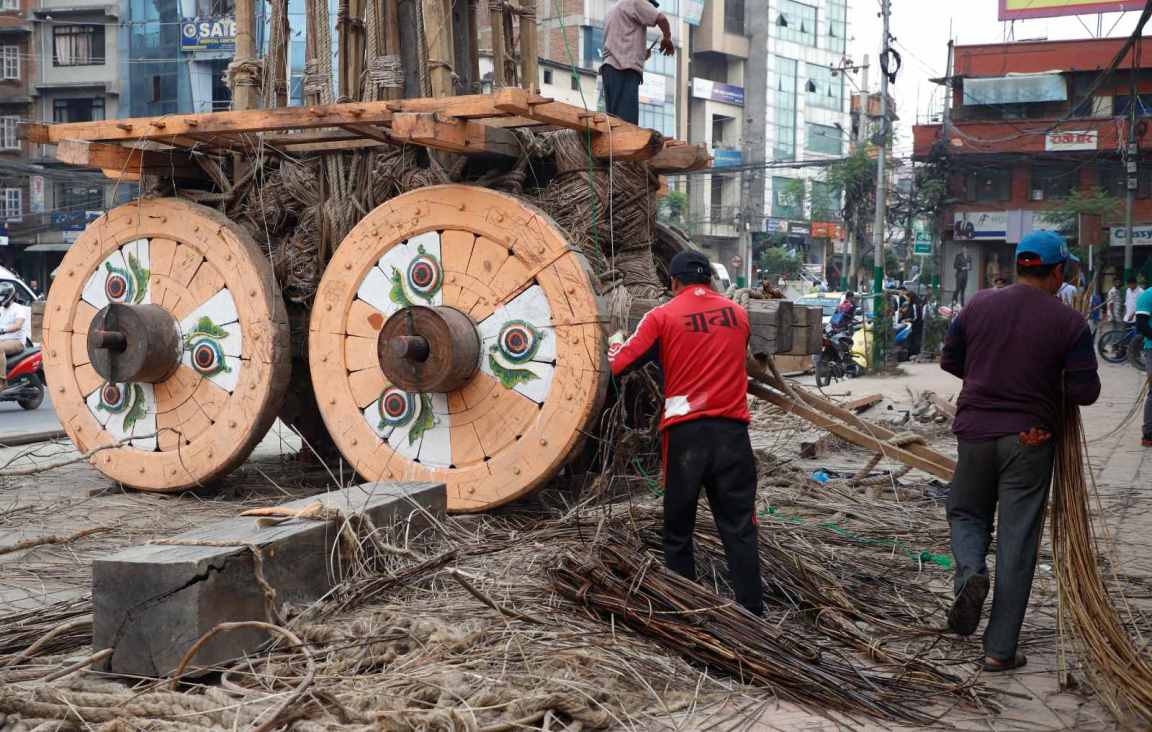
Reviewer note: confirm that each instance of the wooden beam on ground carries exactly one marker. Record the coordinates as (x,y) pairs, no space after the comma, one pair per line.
(442,132)
(129,161)
(870,439)
(153,601)
(679,157)
(863,404)
(814,449)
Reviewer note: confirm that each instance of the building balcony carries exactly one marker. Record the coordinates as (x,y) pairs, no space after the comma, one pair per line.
(1023,136)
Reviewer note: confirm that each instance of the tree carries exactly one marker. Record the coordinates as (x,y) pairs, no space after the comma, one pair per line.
(1094,202)
(672,207)
(776,263)
(855,177)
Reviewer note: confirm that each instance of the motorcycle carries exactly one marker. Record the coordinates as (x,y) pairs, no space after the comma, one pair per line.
(835,359)
(26,385)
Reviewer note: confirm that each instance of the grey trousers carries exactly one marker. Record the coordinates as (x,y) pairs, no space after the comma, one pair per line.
(1148,401)
(1004,484)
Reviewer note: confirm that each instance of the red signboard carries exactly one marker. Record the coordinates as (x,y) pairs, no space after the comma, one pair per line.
(825,230)
(1018,9)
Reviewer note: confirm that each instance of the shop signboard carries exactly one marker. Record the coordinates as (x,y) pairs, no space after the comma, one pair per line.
(726,158)
(1071,141)
(775,226)
(208,34)
(981,225)
(1020,9)
(1141,235)
(36,193)
(74,220)
(827,230)
(654,89)
(692,11)
(717,92)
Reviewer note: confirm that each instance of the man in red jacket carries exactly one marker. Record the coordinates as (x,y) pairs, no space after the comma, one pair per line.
(701,339)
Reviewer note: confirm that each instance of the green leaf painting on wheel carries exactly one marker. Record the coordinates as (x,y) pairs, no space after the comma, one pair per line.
(141,276)
(421,280)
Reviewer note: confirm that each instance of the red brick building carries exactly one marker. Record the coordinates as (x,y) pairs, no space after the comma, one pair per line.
(1031,122)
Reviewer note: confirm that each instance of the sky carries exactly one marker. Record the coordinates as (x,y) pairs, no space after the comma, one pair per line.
(921,29)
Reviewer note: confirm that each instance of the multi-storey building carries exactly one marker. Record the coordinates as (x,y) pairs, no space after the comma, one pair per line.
(1031,122)
(17,67)
(769,89)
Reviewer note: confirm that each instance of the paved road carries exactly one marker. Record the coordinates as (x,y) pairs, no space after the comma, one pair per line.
(16,421)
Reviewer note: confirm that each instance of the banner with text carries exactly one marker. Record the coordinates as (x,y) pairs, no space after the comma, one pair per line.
(1019,9)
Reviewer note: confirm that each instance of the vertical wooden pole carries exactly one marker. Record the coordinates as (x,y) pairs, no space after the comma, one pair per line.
(529,75)
(279,59)
(244,95)
(462,42)
(496,20)
(474,44)
(438,44)
(392,41)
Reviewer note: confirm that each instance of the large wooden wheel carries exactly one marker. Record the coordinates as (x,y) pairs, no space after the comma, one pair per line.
(457,336)
(165,333)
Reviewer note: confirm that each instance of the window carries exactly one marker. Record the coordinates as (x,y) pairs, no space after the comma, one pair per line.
(78,45)
(1053,180)
(593,45)
(785,147)
(825,139)
(825,201)
(11,56)
(11,5)
(8,136)
(1143,105)
(796,22)
(788,198)
(988,185)
(78,110)
(824,89)
(659,117)
(574,82)
(79,198)
(1113,180)
(547,76)
(734,17)
(13,204)
(835,26)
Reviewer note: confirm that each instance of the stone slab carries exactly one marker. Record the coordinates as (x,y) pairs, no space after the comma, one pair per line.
(152,602)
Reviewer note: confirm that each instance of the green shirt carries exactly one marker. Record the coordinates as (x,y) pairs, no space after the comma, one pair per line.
(1144,307)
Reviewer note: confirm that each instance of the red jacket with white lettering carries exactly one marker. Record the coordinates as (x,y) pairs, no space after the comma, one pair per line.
(700,338)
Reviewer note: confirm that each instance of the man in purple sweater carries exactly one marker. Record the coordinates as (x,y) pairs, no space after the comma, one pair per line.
(1021,354)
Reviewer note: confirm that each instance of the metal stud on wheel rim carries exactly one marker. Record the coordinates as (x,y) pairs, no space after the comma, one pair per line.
(413,268)
(181,304)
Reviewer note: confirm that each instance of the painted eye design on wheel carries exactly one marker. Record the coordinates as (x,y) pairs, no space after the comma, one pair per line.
(126,285)
(118,285)
(203,345)
(423,279)
(517,344)
(125,399)
(519,341)
(400,409)
(114,398)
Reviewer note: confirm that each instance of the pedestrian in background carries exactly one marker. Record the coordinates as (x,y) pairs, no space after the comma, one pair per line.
(1131,295)
(1021,353)
(1114,309)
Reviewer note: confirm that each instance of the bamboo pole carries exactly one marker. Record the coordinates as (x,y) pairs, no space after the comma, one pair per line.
(244,95)
(496,21)
(529,75)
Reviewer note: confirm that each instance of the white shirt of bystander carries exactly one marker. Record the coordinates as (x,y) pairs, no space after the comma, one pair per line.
(1131,295)
(8,317)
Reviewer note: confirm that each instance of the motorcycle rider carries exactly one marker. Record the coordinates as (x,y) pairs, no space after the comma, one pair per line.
(845,313)
(12,319)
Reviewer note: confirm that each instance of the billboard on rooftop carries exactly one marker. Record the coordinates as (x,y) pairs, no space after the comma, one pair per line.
(1018,9)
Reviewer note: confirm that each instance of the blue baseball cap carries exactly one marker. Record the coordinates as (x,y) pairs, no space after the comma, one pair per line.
(1042,248)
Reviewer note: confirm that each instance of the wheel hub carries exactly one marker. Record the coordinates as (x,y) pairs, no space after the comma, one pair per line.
(429,349)
(134,343)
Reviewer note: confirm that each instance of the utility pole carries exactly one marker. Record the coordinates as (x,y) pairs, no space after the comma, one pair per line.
(881,161)
(848,277)
(244,89)
(1131,153)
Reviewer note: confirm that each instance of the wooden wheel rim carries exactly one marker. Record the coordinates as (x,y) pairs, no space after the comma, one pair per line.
(204,420)
(543,367)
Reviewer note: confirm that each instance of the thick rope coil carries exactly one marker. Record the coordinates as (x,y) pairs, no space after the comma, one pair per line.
(386,71)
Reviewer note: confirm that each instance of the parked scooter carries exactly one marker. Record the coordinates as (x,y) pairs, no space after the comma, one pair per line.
(25,379)
(835,359)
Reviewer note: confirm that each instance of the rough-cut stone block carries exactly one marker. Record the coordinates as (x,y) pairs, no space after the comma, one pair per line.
(152,602)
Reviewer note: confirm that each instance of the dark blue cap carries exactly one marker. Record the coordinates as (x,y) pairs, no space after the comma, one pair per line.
(689,263)
(1043,248)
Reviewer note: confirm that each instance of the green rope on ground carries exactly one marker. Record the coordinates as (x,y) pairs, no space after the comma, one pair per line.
(921,556)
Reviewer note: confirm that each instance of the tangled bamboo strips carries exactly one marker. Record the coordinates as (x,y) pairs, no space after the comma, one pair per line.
(1117,669)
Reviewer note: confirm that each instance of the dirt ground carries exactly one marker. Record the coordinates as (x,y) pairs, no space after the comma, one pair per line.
(75,497)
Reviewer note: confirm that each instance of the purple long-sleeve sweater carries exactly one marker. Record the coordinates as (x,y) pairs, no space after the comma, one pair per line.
(1019,351)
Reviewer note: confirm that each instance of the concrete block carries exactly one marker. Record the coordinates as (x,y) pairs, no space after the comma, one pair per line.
(152,602)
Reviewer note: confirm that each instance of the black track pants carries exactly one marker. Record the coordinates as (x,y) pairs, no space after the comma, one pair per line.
(622,92)
(715,454)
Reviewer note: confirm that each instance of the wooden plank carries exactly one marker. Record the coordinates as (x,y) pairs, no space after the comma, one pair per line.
(863,404)
(172,163)
(438,47)
(771,323)
(369,131)
(857,437)
(807,331)
(678,157)
(151,602)
(443,132)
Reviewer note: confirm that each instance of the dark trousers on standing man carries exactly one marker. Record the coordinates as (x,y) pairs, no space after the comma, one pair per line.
(715,454)
(1004,483)
(961,288)
(622,92)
